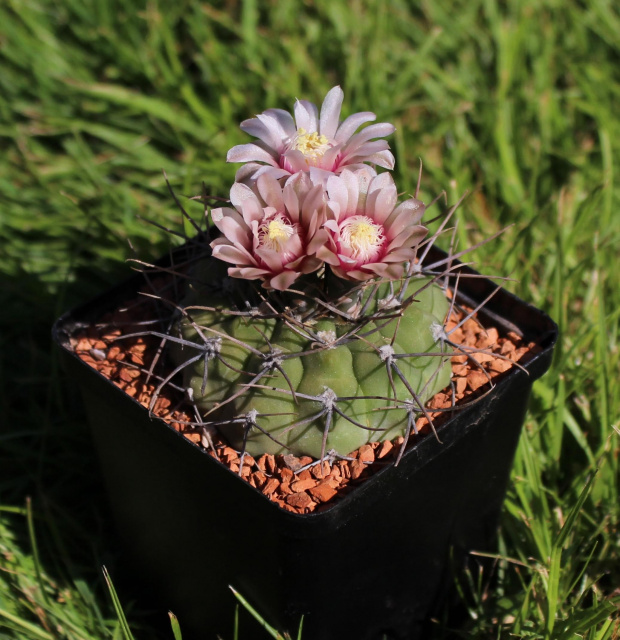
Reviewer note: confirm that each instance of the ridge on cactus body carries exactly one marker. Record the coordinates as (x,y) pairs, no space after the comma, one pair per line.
(345,344)
(308,383)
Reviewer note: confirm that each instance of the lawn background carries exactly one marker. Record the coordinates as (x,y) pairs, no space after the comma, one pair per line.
(515,102)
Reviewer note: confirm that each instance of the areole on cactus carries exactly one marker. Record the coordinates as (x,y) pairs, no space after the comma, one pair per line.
(308,385)
(343,344)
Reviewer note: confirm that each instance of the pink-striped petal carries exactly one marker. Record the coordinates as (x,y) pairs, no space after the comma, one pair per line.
(379,130)
(319,240)
(407,238)
(382,198)
(270,191)
(338,192)
(252,211)
(389,271)
(247,273)
(232,226)
(330,158)
(283,280)
(352,184)
(233,254)
(412,208)
(296,160)
(271,258)
(328,256)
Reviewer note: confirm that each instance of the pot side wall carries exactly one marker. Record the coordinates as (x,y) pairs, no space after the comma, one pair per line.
(381,560)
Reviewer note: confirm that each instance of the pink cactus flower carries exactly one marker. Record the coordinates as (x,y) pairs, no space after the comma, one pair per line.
(370,234)
(273,232)
(287,146)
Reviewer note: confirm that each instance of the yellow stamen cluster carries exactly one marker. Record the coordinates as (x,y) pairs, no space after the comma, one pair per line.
(362,236)
(275,233)
(312,145)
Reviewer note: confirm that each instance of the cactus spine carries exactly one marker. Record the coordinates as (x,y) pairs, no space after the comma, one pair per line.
(307,383)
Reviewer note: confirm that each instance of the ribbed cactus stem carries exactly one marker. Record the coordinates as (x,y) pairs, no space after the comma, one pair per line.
(336,376)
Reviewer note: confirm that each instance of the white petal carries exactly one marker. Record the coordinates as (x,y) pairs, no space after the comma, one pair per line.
(239,193)
(382,198)
(306,116)
(330,112)
(260,130)
(280,121)
(363,151)
(250,153)
(379,130)
(351,124)
(351,182)
(384,159)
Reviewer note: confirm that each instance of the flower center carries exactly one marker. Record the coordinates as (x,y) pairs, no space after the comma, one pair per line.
(362,236)
(274,233)
(312,145)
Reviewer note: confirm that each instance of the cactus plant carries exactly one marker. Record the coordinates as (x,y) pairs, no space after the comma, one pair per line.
(344,342)
(323,381)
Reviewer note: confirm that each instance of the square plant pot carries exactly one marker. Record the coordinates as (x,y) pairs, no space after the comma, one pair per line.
(378,562)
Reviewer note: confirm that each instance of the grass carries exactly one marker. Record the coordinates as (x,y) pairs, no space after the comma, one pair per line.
(515,102)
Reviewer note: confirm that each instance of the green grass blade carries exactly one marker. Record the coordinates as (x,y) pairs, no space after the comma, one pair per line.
(24,625)
(274,633)
(35,550)
(120,614)
(176,627)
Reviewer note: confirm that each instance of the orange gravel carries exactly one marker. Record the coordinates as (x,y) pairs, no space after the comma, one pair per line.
(301,485)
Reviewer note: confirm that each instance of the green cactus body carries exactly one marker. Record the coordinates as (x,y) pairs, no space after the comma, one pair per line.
(343,375)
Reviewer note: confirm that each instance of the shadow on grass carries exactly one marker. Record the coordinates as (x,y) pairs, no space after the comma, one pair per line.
(47,457)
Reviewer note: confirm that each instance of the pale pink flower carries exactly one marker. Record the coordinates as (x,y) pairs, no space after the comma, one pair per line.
(370,234)
(287,146)
(272,232)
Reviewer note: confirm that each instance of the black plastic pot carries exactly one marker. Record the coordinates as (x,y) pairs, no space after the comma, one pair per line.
(378,561)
